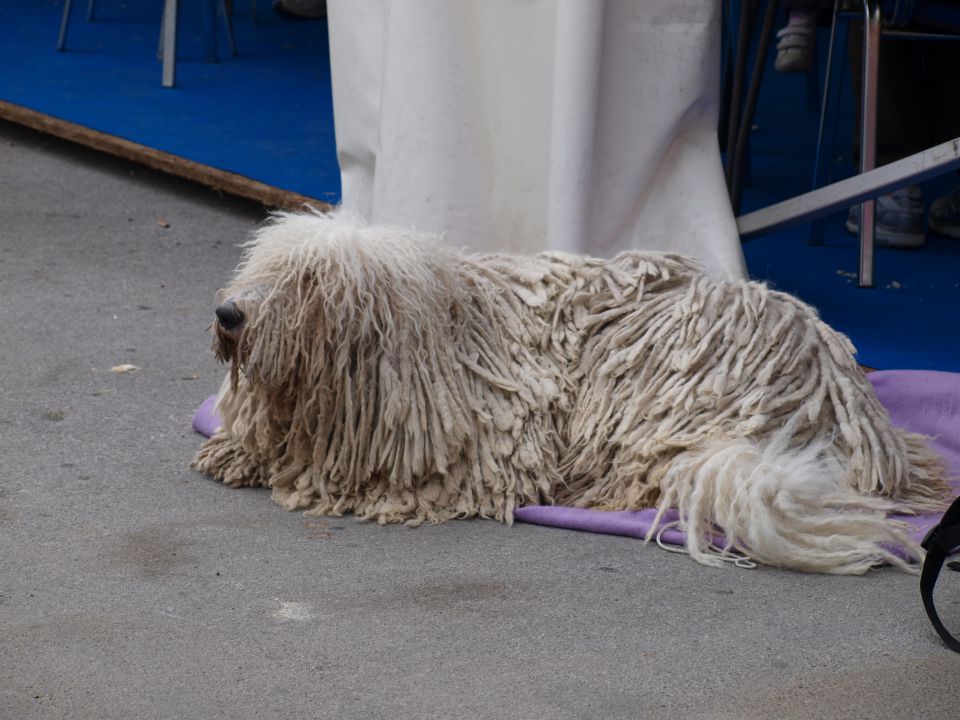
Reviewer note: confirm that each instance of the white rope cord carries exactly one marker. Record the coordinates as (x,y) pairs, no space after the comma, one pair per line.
(725,554)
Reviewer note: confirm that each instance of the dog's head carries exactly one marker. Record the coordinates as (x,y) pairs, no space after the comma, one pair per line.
(314,291)
(235,314)
(271,314)
(266,329)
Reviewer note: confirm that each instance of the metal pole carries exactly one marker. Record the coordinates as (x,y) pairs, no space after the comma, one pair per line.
(753,92)
(910,170)
(169,43)
(64,22)
(868,133)
(827,105)
(208,23)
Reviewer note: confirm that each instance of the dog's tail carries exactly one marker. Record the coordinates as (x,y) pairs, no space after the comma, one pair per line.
(781,506)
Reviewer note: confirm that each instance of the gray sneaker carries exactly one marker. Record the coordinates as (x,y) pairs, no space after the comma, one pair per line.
(945,214)
(307,9)
(899,218)
(795,46)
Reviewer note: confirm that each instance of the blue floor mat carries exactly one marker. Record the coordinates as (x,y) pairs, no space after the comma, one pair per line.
(267,114)
(911,318)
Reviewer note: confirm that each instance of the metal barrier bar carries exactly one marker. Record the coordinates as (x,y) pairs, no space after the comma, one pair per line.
(841,195)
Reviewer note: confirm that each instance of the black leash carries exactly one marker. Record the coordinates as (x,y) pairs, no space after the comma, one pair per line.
(939,543)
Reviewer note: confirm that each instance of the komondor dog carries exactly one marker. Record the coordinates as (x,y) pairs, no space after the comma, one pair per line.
(377,372)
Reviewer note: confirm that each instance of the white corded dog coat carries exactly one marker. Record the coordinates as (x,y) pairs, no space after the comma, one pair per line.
(381,373)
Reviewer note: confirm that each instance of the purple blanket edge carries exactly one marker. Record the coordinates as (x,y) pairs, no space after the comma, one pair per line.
(922,401)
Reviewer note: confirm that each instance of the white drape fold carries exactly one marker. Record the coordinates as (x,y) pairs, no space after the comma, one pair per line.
(584,126)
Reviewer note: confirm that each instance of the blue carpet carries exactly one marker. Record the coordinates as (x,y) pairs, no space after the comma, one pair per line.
(267,114)
(911,318)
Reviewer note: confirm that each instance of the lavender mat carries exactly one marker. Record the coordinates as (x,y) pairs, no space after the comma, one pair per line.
(205,420)
(922,401)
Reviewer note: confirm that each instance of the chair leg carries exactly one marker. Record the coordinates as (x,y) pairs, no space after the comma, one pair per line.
(229,27)
(740,158)
(91,6)
(728,41)
(813,82)
(868,133)
(208,28)
(64,23)
(168,35)
(829,112)
(744,25)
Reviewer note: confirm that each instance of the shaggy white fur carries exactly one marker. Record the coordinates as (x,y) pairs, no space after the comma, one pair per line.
(381,373)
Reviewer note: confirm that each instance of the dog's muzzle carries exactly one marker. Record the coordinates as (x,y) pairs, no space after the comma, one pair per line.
(229,316)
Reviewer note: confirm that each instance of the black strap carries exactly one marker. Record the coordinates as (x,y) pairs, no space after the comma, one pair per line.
(939,543)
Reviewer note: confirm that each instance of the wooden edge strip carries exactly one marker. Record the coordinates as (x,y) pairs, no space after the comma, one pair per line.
(215,179)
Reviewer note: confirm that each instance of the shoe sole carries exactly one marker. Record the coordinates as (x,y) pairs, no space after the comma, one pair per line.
(952,231)
(791,67)
(885,238)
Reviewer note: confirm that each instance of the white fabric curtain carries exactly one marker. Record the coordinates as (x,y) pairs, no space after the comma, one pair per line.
(586,126)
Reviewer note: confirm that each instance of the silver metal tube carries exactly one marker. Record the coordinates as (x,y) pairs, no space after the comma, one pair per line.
(64,22)
(817,229)
(910,170)
(818,159)
(169,43)
(868,133)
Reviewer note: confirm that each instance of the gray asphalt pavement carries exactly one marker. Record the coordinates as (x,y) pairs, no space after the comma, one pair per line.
(131,587)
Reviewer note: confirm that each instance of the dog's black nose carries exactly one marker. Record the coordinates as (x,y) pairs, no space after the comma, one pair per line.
(229,315)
